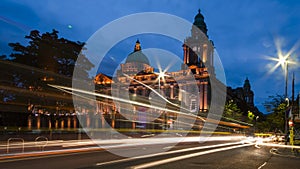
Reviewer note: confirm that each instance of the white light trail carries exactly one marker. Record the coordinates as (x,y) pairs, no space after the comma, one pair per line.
(169,152)
(72,90)
(169,160)
(277,145)
(156,92)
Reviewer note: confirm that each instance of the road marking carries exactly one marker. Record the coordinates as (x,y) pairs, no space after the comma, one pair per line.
(168,152)
(275,151)
(169,147)
(257,146)
(169,160)
(262,165)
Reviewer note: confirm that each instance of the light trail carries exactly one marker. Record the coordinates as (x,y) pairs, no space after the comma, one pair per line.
(19,66)
(37,93)
(114,143)
(264,142)
(72,90)
(19,25)
(276,145)
(154,91)
(173,159)
(169,152)
(265,163)
(45,154)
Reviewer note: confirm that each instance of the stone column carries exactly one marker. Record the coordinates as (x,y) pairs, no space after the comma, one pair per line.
(171,91)
(29,121)
(38,122)
(62,124)
(69,122)
(88,121)
(135,89)
(96,121)
(56,124)
(74,122)
(49,124)
(134,117)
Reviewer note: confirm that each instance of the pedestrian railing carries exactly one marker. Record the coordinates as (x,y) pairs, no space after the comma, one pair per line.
(18,143)
(41,142)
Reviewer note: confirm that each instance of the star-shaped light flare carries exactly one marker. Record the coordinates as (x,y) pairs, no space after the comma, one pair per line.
(282,59)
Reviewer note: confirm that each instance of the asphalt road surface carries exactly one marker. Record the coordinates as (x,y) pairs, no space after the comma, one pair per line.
(189,155)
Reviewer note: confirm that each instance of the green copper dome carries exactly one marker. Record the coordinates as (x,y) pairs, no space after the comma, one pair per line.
(137,55)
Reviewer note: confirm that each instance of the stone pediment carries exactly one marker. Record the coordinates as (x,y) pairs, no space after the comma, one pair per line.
(102,79)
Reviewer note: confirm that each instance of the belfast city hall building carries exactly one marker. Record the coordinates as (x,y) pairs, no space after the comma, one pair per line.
(156,98)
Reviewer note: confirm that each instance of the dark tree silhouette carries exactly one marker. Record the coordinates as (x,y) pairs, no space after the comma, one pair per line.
(46,59)
(274,122)
(49,52)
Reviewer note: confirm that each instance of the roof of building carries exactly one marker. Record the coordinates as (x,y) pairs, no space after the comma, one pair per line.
(137,55)
(200,23)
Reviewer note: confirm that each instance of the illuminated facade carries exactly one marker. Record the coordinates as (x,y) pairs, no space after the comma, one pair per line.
(136,74)
(136,79)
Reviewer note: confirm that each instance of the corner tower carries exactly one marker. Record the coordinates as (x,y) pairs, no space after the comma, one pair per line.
(198,49)
(248,93)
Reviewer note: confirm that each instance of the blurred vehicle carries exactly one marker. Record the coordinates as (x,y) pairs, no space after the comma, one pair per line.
(281,138)
(278,138)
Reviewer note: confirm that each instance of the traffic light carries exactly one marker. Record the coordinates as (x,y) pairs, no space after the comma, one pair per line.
(250,115)
(291,123)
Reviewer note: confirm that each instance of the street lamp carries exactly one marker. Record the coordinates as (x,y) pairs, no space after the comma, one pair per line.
(283,61)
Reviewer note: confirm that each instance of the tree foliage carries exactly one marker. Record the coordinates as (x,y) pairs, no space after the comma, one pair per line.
(49,52)
(231,111)
(47,58)
(277,107)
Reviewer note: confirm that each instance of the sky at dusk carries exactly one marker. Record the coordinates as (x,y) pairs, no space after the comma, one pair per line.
(244,32)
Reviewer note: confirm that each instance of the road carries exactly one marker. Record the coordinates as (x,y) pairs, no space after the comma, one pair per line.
(209,155)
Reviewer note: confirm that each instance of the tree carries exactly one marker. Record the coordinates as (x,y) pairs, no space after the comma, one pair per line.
(231,111)
(48,52)
(46,58)
(277,107)
(2,57)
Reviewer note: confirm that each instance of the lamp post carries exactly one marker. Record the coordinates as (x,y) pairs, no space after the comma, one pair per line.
(286,76)
(286,97)
(283,61)
(285,120)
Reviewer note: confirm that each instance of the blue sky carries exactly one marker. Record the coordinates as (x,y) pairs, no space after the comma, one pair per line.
(243,31)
